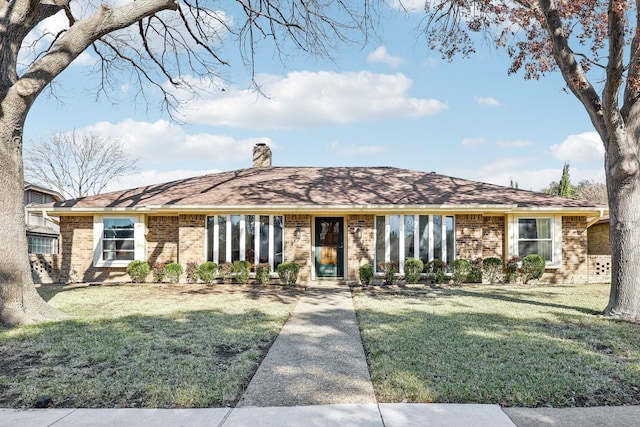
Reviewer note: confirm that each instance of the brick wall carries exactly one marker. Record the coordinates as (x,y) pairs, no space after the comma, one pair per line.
(162,239)
(493,237)
(297,249)
(360,245)
(192,238)
(574,252)
(598,238)
(469,233)
(599,268)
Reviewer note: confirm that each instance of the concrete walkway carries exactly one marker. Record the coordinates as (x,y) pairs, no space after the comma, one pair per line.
(318,358)
(316,374)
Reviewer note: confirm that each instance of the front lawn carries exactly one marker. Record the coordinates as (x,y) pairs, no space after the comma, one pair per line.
(172,346)
(509,345)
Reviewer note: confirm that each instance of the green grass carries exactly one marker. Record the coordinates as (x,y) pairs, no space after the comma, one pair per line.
(508,345)
(142,346)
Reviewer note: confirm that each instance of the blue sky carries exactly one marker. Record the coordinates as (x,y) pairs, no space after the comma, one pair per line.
(390,103)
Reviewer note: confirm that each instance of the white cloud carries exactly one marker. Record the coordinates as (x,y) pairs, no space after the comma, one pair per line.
(472,142)
(582,148)
(518,143)
(355,150)
(164,142)
(309,99)
(381,55)
(430,62)
(409,5)
(487,101)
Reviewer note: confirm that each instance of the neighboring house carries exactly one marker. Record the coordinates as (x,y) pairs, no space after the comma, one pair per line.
(42,231)
(329,220)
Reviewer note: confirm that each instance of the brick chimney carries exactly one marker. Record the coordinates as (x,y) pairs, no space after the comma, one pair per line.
(261,156)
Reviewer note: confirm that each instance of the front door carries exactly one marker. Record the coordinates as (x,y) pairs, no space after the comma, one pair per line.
(329,247)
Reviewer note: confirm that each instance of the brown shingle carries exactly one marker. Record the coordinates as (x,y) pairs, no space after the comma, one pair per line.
(335,186)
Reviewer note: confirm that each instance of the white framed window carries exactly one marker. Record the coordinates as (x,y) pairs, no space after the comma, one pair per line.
(43,245)
(540,235)
(426,237)
(118,240)
(258,239)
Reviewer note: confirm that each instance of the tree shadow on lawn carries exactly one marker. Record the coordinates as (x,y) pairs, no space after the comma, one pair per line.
(185,359)
(433,293)
(418,355)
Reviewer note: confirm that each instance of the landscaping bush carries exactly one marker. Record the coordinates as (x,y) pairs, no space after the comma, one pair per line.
(288,272)
(511,269)
(240,271)
(173,272)
(437,270)
(138,271)
(224,269)
(532,267)
(412,270)
(390,269)
(207,272)
(263,273)
(159,272)
(192,272)
(366,274)
(461,270)
(492,269)
(475,275)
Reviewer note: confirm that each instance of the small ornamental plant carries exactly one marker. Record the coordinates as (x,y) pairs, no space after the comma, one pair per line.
(138,271)
(159,272)
(366,274)
(511,269)
(492,269)
(412,270)
(389,269)
(173,272)
(532,267)
(437,268)
(207,272)
(461,270)
(288,273)
(263,273)
(224,270)
(475,275)
(191,272)
(240,271)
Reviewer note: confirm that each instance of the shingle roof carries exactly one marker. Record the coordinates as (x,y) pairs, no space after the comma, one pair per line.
(330,186)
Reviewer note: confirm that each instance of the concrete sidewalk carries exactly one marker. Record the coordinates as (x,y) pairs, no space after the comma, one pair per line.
(318,358)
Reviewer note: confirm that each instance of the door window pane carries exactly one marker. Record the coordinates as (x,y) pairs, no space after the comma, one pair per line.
(450,240)
(250,239)
(211,220)
(409,240)
(278,241)
(437,237)
(423,227)
(380,241)
(222,238)
(264,239)
(394,238)
(235,237)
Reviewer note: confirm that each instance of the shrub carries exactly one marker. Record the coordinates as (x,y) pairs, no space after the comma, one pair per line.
(138,271)
(511,270)
(263,273)
(207,272)
(461,270)
(288,272)
(475,275)
(436,269)
(412,270)
(390,269)
(492,269)
(366,274)
(159,272)
(224,269)
(532,267)
(192,272)
(240,271)
(173,272)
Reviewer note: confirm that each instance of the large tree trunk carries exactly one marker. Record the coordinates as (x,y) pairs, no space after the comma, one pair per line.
(20,303)
(624,207)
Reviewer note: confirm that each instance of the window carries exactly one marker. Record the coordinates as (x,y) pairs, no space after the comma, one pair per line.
(535,236)
(43,245)
(118,239)
(427,237)
(246,237)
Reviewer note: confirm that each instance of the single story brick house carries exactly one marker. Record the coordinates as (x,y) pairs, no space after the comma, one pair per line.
(330,220)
